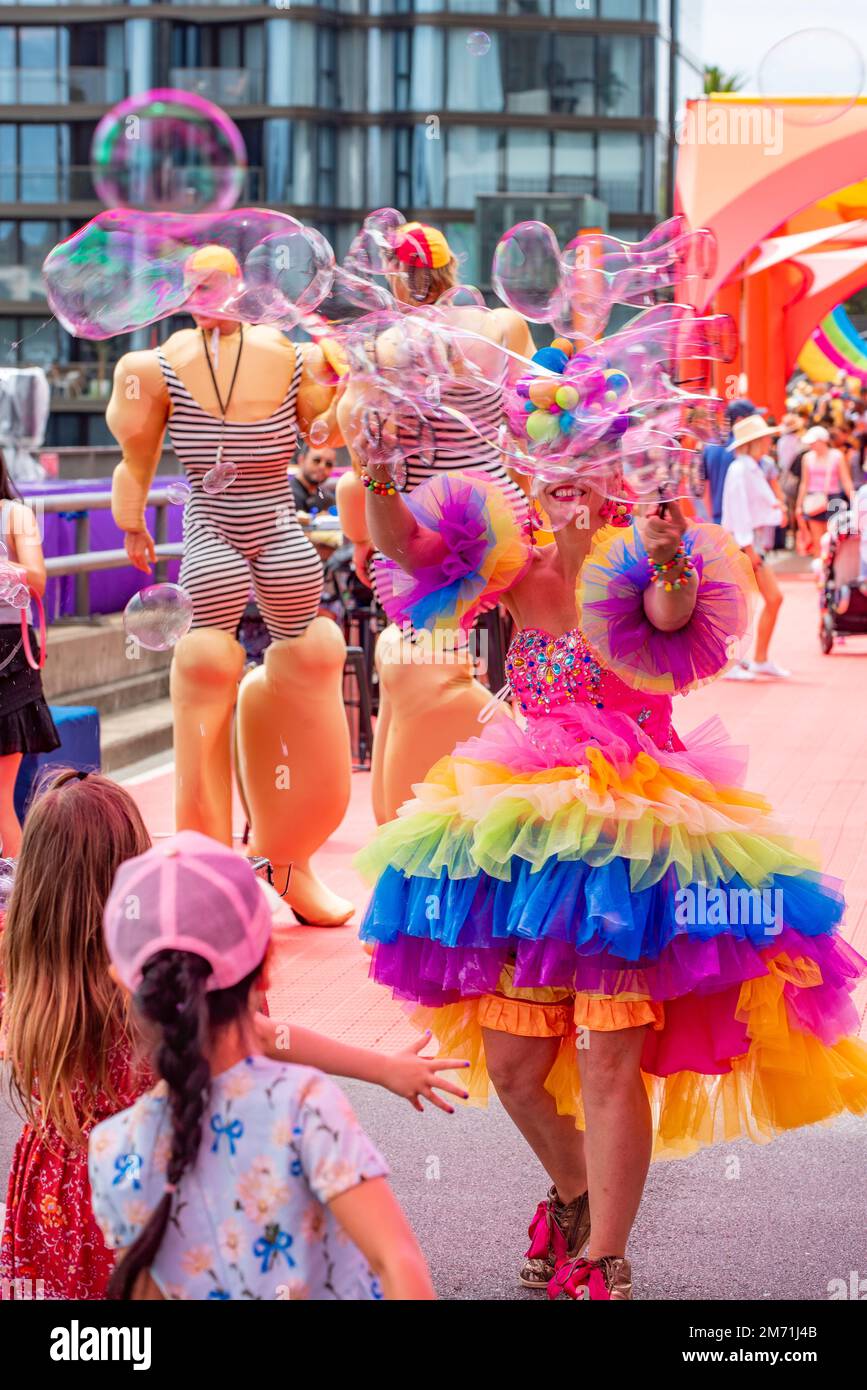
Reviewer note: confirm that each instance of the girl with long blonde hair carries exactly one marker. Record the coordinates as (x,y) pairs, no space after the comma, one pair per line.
(66,1037)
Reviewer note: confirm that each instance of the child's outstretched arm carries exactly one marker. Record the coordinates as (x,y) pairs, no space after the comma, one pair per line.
(372,1217)
(405,1072)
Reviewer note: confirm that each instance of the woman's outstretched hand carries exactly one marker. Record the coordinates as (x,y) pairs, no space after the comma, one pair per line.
(413,1077)
(661,535)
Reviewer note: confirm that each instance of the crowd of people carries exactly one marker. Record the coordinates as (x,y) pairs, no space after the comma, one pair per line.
(778,487)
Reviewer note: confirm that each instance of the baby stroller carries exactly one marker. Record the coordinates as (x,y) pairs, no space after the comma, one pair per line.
(842,600)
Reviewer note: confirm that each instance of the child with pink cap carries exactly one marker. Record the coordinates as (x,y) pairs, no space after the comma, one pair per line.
(237,1176)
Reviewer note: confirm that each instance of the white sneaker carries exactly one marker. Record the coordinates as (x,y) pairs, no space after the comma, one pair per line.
(769,668)
(739,673)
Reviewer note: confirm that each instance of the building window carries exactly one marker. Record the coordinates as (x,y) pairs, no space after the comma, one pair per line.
(326,166)
(474,84)
(40,163)
(574,162)
(620,9)
(403,167)
(428,171)
(426,91)
(290,161)
(326,63)
(291,63)
(402,53)
(526,72)
(23,248)
(618,65)
(350,168)
(472,164)
(528,161)
(351,55)
(620,170)
(573,75)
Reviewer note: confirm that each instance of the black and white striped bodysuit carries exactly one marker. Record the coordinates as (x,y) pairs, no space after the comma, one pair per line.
(459,448)
(250,531)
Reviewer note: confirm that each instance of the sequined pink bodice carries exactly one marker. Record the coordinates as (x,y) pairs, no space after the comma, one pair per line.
(546,672)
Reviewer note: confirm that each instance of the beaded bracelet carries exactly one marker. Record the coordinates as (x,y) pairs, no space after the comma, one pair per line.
(379,489)
(660,573)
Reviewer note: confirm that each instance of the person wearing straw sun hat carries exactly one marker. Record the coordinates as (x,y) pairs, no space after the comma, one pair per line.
(748,505)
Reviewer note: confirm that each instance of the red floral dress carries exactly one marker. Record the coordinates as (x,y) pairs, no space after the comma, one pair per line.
(52,1246)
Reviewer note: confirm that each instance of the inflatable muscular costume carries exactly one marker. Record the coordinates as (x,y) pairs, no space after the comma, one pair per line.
(234,394)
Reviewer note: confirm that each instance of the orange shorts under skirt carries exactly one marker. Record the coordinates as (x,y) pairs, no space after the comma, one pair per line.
(555,1013)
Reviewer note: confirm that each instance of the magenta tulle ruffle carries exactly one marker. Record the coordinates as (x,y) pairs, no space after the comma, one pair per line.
(611,605)
(483,552)
(559,740)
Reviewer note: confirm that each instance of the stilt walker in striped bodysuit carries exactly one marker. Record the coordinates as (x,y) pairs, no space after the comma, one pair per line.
(236,394)
(428,705)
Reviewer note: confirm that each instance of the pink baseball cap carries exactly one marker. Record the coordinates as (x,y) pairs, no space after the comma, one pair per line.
(188,893)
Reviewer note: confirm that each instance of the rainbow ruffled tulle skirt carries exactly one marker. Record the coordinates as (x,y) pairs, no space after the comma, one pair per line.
(574,869)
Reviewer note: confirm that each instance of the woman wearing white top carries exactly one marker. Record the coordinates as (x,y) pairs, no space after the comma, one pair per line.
(748,505)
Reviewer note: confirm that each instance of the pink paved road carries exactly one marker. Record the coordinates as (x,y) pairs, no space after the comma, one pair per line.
(808,753)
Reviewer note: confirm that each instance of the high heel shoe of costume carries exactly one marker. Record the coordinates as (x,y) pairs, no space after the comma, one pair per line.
(609,1277)
(312,902)
(558,1233)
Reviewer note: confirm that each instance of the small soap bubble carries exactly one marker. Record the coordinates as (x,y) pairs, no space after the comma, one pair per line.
(479,43)
(158,616)
(220,477)
(179,492)
(319,433)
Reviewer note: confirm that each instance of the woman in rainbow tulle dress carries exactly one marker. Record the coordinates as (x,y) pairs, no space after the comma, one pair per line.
(583,903)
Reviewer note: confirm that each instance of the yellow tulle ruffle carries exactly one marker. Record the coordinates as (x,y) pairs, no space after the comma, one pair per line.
(470,816)
(785,1080)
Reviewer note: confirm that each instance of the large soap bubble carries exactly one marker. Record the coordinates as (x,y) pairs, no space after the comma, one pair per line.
(822,66)
(126,269)
(158,616)
(295,266)
(168,151)
(575,290)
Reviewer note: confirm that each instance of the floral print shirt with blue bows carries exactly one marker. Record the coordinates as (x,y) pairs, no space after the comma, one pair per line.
(251,1218)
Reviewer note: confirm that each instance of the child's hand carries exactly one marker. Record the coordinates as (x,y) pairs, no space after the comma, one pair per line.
(412,1076)
(661,535)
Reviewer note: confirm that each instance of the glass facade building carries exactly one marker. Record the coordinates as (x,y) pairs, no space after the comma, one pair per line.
(344,106)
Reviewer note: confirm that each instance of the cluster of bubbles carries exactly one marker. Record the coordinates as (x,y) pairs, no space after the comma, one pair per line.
(575,290)
(606,408)
(127,269)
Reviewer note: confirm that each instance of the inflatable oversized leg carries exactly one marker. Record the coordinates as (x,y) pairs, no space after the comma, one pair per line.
(432,702)
(295,763)
(206,669)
